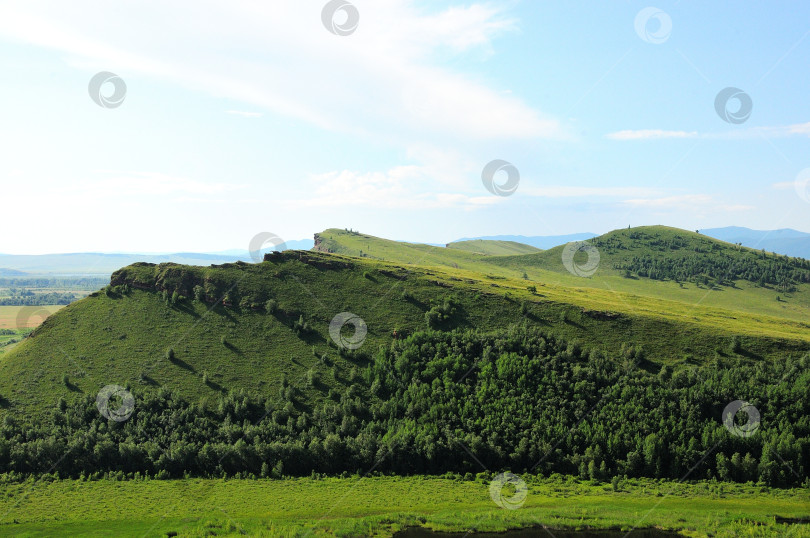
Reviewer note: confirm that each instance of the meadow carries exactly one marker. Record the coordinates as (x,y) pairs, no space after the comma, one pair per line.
(382,505)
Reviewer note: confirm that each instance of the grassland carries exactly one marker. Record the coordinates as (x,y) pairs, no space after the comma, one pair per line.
(546,267)
(379,506)
(106,339)
(493,247)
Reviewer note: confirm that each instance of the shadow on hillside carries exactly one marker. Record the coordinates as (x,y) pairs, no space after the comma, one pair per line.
(186,309)
(573,323)
(147,380)
(750,355)
(312,338)
(183,364)
(213,385)
(535,318)
(72,387)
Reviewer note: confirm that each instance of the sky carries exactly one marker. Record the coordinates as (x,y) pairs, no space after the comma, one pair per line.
(222,120)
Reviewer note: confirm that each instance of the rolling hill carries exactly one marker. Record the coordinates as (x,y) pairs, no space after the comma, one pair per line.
(315,362)
(492,247)
(542,242)
(216,321)
(655,262)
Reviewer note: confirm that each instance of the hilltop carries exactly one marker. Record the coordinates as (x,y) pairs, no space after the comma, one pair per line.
(655,262)
(493,247)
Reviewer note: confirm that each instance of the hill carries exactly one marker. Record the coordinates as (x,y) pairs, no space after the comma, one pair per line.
(492,247)
(654,262)
(319,363)
(543,242)
(11,273)
(216,322)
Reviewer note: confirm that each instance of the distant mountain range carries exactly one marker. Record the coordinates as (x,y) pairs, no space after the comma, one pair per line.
(784,241)
(96,263)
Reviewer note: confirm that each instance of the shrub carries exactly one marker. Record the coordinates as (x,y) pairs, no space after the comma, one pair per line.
(532,289)
(271,306)
(301,326)
(440,314)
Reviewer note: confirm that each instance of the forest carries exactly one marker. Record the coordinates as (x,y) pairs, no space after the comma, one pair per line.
(464,401)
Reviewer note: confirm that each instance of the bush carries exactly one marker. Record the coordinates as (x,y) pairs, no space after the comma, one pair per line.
(440,314)
(301,327)
(271,306)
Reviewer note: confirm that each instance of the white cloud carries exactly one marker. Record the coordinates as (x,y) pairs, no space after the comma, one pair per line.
(650,134)
(402,187)
(779,131)
(278,57)
(565,191)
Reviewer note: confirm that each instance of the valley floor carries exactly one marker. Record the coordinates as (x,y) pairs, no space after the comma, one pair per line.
(379,506)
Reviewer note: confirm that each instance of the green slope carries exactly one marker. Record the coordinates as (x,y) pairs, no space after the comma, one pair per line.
(124,335)
(493,248)
(621,253)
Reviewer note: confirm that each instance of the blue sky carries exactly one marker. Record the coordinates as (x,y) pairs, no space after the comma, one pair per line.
(245,117)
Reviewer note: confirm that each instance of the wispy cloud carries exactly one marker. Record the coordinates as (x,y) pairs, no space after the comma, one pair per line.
(650,134)
(780,131)
(565,191)
(697,203)
(402,187)
(397,58)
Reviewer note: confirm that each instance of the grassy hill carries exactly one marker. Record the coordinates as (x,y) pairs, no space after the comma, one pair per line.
(224,335)
(493,247)
(237,370)
(654,262)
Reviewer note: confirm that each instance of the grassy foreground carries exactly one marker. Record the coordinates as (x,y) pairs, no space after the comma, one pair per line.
(379,506)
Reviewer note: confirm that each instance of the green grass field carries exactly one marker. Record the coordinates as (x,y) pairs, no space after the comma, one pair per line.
(379,506)
(493,248)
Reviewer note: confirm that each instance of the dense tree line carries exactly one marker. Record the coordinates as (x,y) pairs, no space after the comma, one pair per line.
(74,283)
(29,298)
(450,401)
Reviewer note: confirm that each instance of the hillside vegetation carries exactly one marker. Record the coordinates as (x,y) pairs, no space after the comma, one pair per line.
(245,326)
(234,371)
(656,262)
(492,247)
